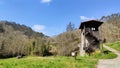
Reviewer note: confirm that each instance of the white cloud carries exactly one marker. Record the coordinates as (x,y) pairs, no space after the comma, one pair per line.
(84,18)
(38,28)
(46,1)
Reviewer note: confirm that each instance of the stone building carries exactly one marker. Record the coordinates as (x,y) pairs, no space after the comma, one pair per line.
(90,37)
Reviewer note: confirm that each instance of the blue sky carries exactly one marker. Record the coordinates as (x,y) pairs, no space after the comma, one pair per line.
(52,16)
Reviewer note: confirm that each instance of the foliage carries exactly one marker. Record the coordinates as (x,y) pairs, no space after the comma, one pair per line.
(110,30)
(16,39)
(67,42)
(19,39)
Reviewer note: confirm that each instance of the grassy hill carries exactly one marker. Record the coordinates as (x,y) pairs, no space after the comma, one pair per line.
(55,61)
(115,45)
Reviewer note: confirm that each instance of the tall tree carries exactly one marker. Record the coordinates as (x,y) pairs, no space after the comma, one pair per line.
(70,27)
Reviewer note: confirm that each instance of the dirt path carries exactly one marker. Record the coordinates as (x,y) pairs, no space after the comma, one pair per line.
(110,63)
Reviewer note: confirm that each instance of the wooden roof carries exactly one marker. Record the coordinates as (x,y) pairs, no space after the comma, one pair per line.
(90,23)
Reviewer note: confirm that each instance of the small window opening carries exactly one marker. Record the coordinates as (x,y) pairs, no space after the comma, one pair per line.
(93,29)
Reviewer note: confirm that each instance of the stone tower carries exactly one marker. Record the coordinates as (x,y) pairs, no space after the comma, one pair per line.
(90,38)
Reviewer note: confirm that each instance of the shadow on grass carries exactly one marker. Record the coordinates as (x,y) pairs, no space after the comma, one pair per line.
(106,51)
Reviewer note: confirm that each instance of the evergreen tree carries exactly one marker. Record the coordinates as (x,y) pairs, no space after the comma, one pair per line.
(70,27)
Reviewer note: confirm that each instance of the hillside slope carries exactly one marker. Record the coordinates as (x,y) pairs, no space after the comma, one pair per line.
(16,39)
(111,28)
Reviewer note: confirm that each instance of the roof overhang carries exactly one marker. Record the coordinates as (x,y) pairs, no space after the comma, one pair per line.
(90,23)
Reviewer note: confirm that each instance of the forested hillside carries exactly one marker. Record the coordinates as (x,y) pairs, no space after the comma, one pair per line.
(111,28)
(16,39)
(69,40)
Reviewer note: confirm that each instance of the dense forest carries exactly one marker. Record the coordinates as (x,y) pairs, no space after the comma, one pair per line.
(16,39)
(110,30)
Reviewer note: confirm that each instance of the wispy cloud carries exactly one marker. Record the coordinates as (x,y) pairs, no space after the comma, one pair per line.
(45,1)
(38,28)
(84,18)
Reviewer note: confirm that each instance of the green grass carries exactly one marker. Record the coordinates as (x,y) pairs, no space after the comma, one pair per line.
(115,45)
(55,62)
